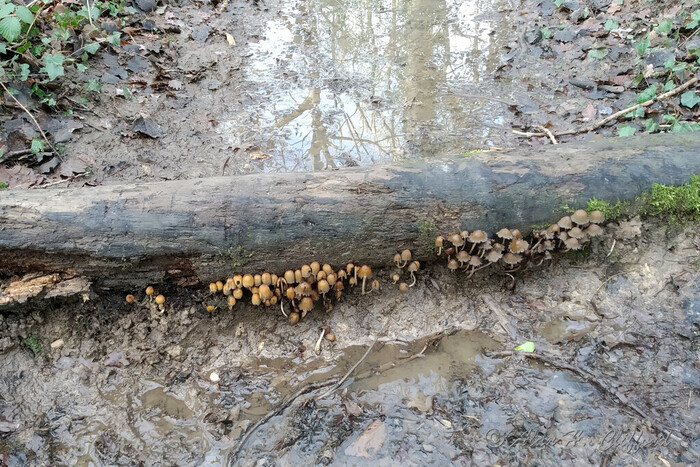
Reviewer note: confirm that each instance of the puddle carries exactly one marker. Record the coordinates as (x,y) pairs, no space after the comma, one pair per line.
(332,84)
(562,330)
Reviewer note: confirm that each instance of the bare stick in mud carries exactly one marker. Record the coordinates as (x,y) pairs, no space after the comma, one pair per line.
(353,368)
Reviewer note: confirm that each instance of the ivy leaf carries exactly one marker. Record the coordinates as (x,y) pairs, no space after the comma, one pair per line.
(23,71)
(10,28)
(626,130)
(53,65)
(598,52)
(37,145)
(689,99)
(24,14)
(646,95)
(527,347)
(91,47)
(611,24)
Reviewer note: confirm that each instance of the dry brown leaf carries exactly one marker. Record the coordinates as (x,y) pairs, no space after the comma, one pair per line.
(589,112)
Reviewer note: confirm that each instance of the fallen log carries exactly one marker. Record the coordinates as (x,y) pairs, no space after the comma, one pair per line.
(201,229)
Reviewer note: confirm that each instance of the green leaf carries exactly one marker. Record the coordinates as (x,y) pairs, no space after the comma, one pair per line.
(115,38)
(53,65)
(7,10)
(546,33)
(24,14)
(670,63)
(642,46)
(23,71)
(626,130)
(611,24)
(91,47)
(650,126)
(81,68)
(648,94)
(665,26)
(668,86)
(689,99)
(598,53)
(10,28)
(93,85)
(558,3)
(3,48)
(37,145)
(527,347)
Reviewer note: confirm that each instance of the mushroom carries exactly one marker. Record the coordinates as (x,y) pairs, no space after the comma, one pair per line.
(315,267)
(305,305)
(238,280)
(403,287)
(572,244)
(305,271)
(516,233)
(475,261)
(342,275)
(375,285)
(518,246)
(565,223)
(332,279)
(413,268)
(303,289)
(130,298)
(289,276)
(255,299)
(264,292)
(452,265)
(594,230)
(257,279)
(493,256)
(266,278)
(580,217)
(294,317)
(327,269)
(237,294)
(405,257)
(364,273)
(149,290)
(439,242)
(456,240)
(397,260)
(219,286)
(330,337)
(248,281)
(395,278)
(291,294)
(297,276)
(210,308)
(596,217)
(477,237)
(576,233)
(505,234)
(512,259)
(463,257)
(323,287)
(212,287)
(231,303)
(320,275)
(160,299)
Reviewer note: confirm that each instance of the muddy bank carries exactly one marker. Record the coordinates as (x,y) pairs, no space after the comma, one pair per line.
(123,385)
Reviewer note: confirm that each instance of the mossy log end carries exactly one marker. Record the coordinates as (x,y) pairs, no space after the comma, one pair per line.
(207,228)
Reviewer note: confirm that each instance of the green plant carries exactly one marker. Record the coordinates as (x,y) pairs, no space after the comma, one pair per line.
(33,343)
(611,211)
(4,186)
(677,203)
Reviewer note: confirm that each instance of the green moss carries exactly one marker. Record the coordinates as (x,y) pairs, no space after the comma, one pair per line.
(474,152)
(611,211)
(33,343)
(675,203)
(427,232)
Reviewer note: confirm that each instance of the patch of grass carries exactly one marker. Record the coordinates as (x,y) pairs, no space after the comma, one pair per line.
(675,203)
(4,186)
(611,211)
(33,343)
(428,232)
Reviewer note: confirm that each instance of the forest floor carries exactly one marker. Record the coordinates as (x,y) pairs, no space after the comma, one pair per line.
(198,89)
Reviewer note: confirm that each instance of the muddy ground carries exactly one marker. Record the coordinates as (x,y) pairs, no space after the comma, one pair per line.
(617,381)
(308,86)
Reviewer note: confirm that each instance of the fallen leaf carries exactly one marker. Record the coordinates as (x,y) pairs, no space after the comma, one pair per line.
(231,41)
(19,176)
(352,408)
(369,442)
(589,112)
(259,156)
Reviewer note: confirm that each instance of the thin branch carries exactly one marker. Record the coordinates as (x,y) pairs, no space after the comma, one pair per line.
(548,133)
(342,380)
(616,115)
(33,120)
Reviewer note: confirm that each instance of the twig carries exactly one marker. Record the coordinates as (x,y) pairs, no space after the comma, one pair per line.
(33,120)
(89,12)
(614,116)
(611,248)
(548,133)
(276,411)
(342,380)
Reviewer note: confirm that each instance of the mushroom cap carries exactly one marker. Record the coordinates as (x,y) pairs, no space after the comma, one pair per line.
(463,256)
(464,234)
(297,276)
(231,301)
(375,284)
(248,281)
(594,230)
(315,267)
(212,287)
(238,280)
(504,234)
(289,276)
(478,236)
(548,245)
(291,294)
(565,222)
(255,299)
(266,278)
(332,279)
(237,294)
(475,261)
(406,255)
(439,241)
(294,317)
(149,290)
(403,287)
(342,275)
(219,286)
(450,251)
(306,304)
(500,247)
(518,246)
(264,292)
(320,275)
(563,236)
(339,286)
(257,279)
(576,232)
(554,228)
(327,269)
(580,217)
(397,259)
(572,244)
(395,278)
(512,259)
(596,217)
(323,286)
(303,289)
(493,256)
(456,239)
(364,272)
(452,264)
(413,266)
(516,233)
(305,271)
(349,268)
(130,298)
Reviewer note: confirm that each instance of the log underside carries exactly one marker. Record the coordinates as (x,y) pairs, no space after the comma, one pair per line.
(202,229)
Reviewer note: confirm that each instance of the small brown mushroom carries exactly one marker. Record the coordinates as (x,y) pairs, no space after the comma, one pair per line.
(289,276)
(237,294)
(594,230)
(565,223)
(266,278)
(576,232)
(505,234)
(456,240)
(323,287)
(160,299)
(493,256)
(452,265)
(580,217)
(238,280)
(264,292)
(219,286)
(572,244)
(403,287)
(439,242)
(231,303)
(212,287)
(518,246)
(463,257)
(257,279)
(327,269)
(512,259)
(149,290)
(477,237)
(306,304)
(413,268)
(315,267)
(294,317)
(596,217)
(305,271)
(130,298)
(255,299)
(364,273)
(395,278)
(248,281)
(405,257)
(516,234)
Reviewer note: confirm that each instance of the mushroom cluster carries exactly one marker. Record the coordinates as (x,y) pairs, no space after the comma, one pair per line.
(301,288)
(403,261)
(473,251)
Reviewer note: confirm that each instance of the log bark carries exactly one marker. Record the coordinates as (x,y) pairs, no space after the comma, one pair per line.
(201,229)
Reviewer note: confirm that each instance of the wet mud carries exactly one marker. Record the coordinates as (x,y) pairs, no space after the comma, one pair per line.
(616,378)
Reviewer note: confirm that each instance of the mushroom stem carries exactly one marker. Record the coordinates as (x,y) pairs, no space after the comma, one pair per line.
(364,279)
(478,269)
(471,250)
(413,276)
(282,308)
(318,343)
(439,251)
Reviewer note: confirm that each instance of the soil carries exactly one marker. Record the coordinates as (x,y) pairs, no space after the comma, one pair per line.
(309,86)
(617,380)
